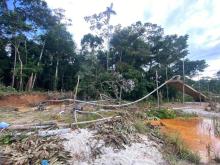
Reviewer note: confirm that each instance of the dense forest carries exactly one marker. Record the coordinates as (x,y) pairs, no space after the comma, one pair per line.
(38,53)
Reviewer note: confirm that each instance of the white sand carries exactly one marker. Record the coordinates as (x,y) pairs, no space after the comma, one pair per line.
(79,144)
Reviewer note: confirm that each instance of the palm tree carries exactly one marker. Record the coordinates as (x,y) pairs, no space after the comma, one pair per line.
(108,12)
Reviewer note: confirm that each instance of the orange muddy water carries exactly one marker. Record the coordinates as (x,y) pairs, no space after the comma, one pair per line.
(201,135)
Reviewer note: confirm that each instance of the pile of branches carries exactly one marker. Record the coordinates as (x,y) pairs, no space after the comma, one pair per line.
(213,106)
(34,149)
(115,133)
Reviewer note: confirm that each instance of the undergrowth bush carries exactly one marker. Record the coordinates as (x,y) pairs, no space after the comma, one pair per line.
(169,114)
(161,113)
(4,89)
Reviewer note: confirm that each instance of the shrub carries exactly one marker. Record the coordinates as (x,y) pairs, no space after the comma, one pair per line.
(161,113)
(4,89)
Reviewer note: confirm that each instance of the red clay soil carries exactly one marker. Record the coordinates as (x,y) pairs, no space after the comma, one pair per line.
(22,100)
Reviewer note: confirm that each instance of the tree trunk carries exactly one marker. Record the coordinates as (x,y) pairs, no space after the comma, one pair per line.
(21,71)
(38,63)
(167,85)
(158,97)
(13,75)
(26,53)
(56,75)
(120,56)
(5,6)
(107,60)
(29,83)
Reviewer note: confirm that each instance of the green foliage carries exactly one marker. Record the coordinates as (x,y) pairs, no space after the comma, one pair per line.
(161,113)
(168,114)
(6,139)
(4,89)
(191,67)
(37,37)
(9,138)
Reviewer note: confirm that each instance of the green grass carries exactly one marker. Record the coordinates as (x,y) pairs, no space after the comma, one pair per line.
(140,126)
(178,149)
(169,114)
(161,113)
(87,117)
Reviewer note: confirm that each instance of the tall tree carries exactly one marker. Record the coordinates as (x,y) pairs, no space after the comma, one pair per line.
(101,23)
(23,21)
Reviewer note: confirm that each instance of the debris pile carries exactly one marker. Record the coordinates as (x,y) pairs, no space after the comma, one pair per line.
(115,133)
(213,106)
(86,149)
(34,149)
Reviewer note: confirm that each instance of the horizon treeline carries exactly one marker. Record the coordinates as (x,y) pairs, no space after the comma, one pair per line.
(38,53)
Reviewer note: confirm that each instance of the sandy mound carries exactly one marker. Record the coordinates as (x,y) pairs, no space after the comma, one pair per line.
(81,144)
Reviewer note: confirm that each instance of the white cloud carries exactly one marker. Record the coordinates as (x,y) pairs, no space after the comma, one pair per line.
(199,19)
(212,69)
(76,10)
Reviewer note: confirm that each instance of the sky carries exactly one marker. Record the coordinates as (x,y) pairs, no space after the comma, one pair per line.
(197,18)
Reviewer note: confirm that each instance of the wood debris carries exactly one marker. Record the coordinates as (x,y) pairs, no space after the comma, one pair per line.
(33,149)
(115,133)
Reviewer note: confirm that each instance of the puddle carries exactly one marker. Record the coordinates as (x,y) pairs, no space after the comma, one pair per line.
(201,135)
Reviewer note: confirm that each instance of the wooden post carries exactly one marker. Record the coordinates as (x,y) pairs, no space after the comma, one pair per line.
(74,101)
(200,99)
(183,81)
(208,89)
(158,97)
(167,85)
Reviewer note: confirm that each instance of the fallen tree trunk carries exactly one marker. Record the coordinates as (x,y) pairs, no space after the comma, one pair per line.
(94,121)
(26,127)
(52,124)
(41,125)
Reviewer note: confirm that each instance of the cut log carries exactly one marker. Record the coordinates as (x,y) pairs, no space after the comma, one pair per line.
(41,125)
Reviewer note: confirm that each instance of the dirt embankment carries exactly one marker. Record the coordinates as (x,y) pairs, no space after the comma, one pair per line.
(24,100)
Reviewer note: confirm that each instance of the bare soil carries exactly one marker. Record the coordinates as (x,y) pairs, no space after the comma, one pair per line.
(21,109)
(192,105)
(21,100)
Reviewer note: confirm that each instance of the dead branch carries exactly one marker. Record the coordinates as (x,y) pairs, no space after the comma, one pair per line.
(41,125)
(98,120)
(76,90)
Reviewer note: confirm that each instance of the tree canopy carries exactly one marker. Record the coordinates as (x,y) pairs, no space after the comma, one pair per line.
(37,52)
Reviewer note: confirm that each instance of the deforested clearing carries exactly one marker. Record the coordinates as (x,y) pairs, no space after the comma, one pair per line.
(109,82)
